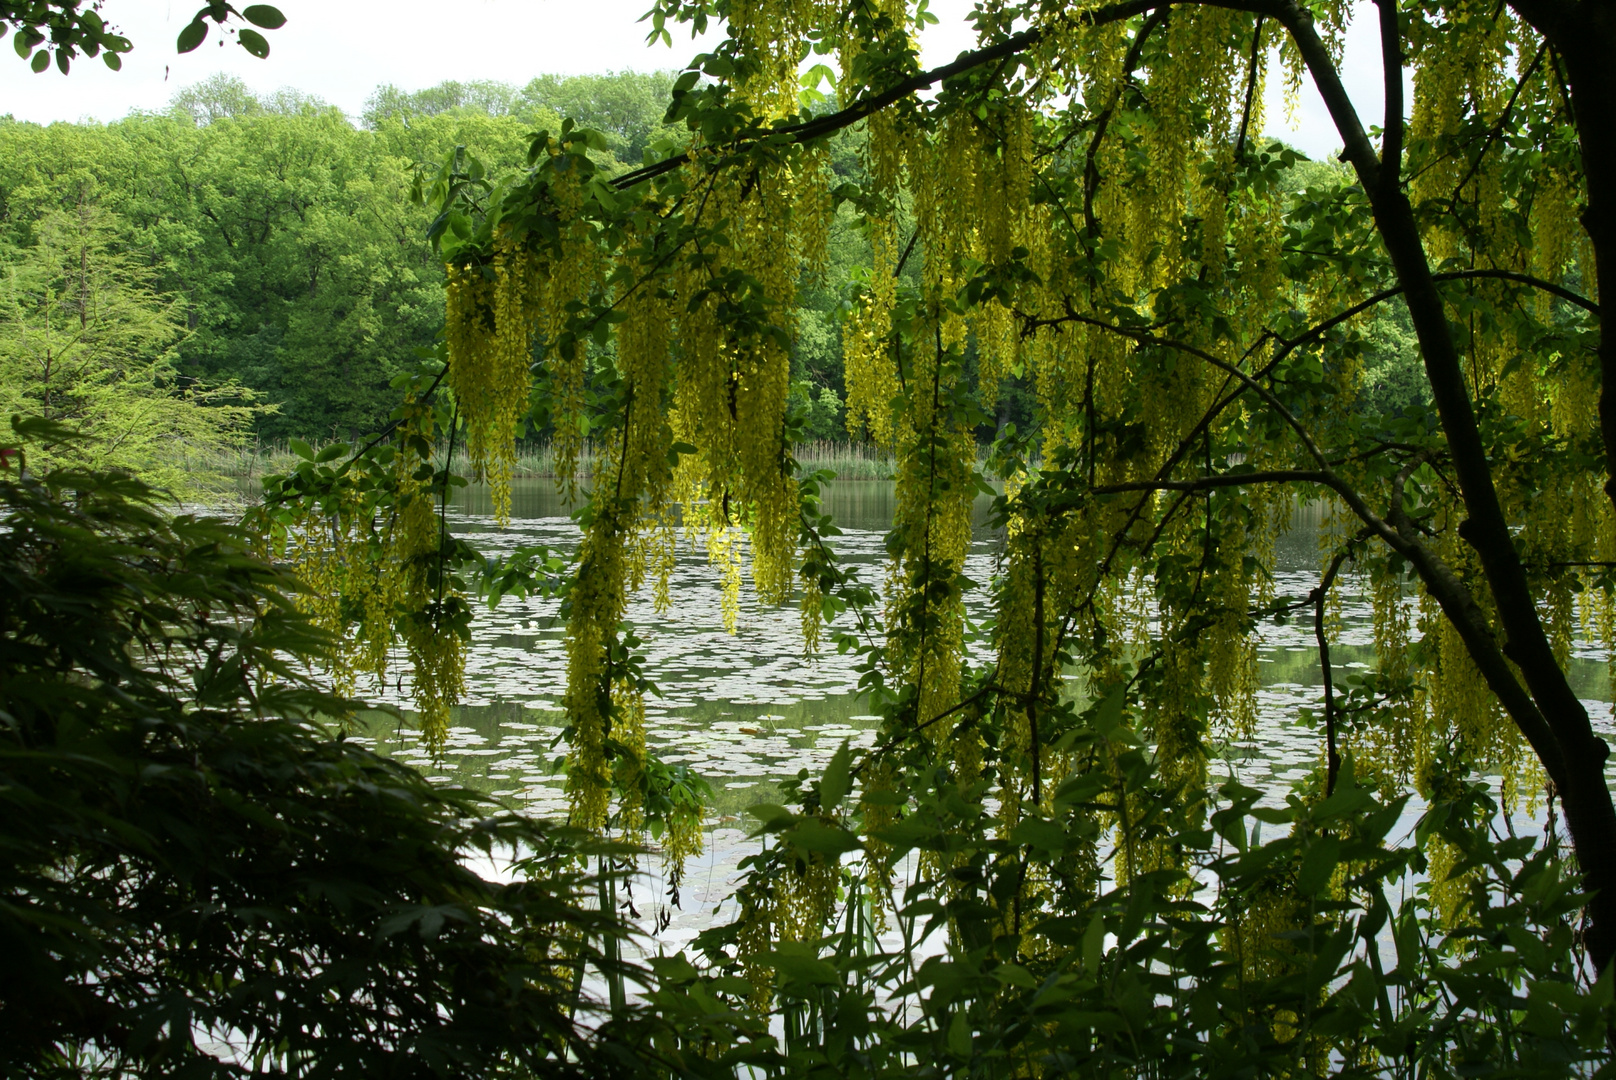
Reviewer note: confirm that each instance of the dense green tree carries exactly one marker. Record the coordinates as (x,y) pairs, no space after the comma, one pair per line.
(222,96)
(288,234)
(478,97)
(88,344)
(199,876)
(628,107)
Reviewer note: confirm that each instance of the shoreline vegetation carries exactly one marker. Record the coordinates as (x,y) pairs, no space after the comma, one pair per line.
(535,460)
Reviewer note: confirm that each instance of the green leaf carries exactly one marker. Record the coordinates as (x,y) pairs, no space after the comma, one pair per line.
(270,18)
(1037,832)
(1015,975)
(907,832)
(834,786)
(193,35)
(1094,944)
(771,815)
(253,42)
(1108,713)
(301,449)
(799,967)
(41,61)
(1318,864)
(959,1035)
(817,74)
(818,836)
(112,60)
(1348,799)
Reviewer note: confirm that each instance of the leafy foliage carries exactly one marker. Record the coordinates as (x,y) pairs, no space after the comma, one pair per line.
(197,877)
(1319,951)
(71,27)
(1078,209)
(1079,206)
(286,236)
(86,343)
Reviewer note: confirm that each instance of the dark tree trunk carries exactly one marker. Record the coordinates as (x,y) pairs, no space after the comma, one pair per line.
(1548,711)
(1583,34)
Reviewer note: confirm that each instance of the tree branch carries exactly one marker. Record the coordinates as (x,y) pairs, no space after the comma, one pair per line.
(1391,58)
(1487,530)
(1251,87)
(1219,480)
(1091,171)
(1332,754)
(831,123)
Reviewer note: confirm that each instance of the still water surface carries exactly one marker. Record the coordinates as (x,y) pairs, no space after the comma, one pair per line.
(748,710)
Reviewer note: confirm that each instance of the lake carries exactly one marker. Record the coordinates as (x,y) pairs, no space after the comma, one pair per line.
(749,709)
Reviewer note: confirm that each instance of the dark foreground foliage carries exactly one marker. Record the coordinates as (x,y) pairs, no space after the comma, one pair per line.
(1322,951)
(196,878)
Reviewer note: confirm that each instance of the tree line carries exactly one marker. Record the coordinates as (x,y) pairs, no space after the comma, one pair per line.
(281,239)
(278,242)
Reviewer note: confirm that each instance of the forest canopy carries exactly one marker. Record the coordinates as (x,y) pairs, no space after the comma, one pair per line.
(285,233)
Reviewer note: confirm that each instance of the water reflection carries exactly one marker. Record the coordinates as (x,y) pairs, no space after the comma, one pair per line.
(749,711)
(866,505)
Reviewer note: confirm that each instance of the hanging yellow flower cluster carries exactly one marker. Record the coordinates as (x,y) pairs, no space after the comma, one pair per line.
(769,32)
(1162,200)
(331,555)
(373,575)
(869,352)
(428,604)
(699,435)
(1133,269)
(488,318)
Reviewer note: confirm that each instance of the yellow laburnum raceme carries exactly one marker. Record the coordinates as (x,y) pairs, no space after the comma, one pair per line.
(1103,228)
(489,317)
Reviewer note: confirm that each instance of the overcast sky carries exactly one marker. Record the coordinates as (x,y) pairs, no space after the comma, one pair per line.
(341,50)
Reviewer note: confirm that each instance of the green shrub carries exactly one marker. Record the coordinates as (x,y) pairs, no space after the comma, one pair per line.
(197,878)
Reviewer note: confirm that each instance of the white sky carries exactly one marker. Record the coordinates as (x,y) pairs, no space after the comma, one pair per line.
(341,50)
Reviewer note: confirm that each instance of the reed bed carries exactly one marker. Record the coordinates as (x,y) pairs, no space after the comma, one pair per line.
(534,461)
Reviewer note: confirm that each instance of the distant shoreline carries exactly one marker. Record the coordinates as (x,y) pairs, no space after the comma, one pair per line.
(536,461)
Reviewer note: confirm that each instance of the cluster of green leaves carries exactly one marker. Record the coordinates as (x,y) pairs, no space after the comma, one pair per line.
(70,26)
(86,342)
(361,483)
(260,15)
(1316,951)
(283,236)
(67,28)
(199,876)
(626,107)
